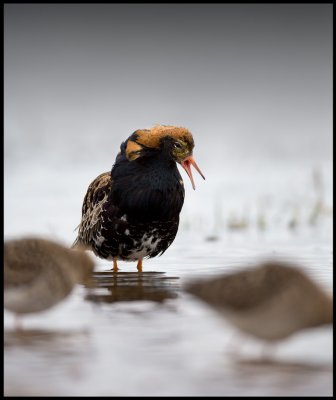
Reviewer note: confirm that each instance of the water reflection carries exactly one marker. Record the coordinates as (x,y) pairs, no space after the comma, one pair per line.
(37,360)
(256,366)
(57,340)
(110,287)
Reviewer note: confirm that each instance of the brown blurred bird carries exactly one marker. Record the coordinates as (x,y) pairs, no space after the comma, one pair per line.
(39,273)
(270,302)
(133,211)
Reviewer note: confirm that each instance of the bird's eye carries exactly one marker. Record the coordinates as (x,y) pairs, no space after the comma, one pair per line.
(177,145)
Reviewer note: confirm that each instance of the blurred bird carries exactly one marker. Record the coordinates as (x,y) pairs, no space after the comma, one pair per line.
(269,302)
(133,211)
(39,273)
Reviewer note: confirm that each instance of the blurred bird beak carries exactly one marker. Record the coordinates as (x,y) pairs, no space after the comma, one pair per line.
(186,165)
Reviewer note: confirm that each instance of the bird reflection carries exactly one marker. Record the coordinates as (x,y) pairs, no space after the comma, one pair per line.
(256,366)
(55,341)
(110,287)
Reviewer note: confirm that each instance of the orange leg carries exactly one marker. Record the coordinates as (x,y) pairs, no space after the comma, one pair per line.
(139,266)
(115,265)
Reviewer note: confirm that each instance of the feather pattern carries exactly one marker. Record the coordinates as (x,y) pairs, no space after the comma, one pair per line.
(94,200)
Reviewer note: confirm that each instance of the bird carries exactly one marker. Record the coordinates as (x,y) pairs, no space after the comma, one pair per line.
(269,302)
(39,273)
(132,211)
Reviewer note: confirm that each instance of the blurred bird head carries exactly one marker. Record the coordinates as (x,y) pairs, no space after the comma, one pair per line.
(175,142)
(82,265)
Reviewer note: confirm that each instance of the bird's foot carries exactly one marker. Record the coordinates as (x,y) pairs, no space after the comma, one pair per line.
(139,265)
(115,265)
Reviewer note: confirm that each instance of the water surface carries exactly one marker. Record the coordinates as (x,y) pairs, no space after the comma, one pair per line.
(141,334)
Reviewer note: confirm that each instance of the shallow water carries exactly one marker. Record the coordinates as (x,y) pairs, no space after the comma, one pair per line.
(141,334)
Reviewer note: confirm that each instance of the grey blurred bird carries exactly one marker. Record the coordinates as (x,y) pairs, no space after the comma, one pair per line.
(269,302)
(39,273)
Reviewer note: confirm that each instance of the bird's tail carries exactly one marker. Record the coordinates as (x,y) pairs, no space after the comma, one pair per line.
(75,243)
(79,245)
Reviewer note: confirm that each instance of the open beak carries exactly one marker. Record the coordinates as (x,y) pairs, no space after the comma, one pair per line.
(186,165)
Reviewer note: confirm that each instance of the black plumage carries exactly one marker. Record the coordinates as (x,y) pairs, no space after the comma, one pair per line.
(133,211)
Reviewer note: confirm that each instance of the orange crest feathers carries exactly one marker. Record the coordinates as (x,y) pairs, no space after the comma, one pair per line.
(152,137)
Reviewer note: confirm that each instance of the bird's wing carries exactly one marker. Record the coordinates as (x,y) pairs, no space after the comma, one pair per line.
(93,203)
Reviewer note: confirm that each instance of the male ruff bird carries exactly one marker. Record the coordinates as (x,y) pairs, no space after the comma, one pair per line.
(132,212)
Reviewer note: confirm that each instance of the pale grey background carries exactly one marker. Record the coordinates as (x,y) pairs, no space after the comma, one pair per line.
(250,81)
